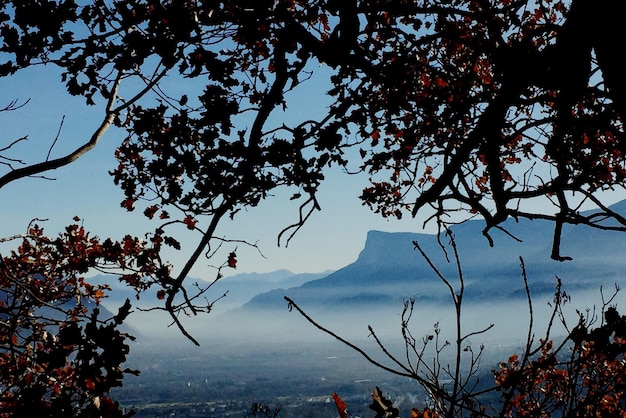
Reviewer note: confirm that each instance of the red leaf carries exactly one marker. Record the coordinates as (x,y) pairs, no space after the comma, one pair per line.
(99,294)
(232,260)
(89,384)
(440,82)
(161,294)
(150,211)
(128,204)
(190,222)
(342,408)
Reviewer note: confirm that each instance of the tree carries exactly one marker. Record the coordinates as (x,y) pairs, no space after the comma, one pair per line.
(58,356)
(581,375)
(481,106)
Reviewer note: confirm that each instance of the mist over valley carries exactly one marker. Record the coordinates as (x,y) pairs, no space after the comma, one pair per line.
(255,346)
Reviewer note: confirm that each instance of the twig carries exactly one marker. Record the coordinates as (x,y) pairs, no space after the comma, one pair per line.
(56,138)
(74,155)
(293,305)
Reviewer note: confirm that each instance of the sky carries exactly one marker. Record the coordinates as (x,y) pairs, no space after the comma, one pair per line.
(331,239)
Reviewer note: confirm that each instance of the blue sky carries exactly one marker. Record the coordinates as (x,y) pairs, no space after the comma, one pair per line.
(331,239)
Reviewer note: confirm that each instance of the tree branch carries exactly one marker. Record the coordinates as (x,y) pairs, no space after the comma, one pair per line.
(48,165)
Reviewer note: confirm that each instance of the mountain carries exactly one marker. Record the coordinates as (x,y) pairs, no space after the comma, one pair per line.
(240,288)
(389,269)
(53,313)
(243,287)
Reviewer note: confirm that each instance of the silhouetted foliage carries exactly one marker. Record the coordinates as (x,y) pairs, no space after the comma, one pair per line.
(58,356)
(382,406)
(581,379)
(263,410)
(481,106)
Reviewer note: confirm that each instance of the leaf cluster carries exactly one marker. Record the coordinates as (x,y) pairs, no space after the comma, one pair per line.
(58,356)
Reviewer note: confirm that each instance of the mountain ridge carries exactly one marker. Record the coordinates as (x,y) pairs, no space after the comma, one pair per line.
(389,269)
(240,287)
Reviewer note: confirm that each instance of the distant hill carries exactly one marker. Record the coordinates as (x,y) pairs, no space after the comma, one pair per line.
(243,287)
(240,288)
(54,313)
(389,269)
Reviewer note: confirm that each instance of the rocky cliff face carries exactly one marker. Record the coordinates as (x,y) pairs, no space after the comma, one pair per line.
(390,269)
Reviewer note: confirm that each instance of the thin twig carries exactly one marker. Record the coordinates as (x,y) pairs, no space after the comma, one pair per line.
(56,138)
(293,305)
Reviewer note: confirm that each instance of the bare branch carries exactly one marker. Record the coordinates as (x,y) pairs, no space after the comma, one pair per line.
(80,151)
(56,138)
(293,305)
(314,205)
(20,139)
(384,349)
(13,105)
